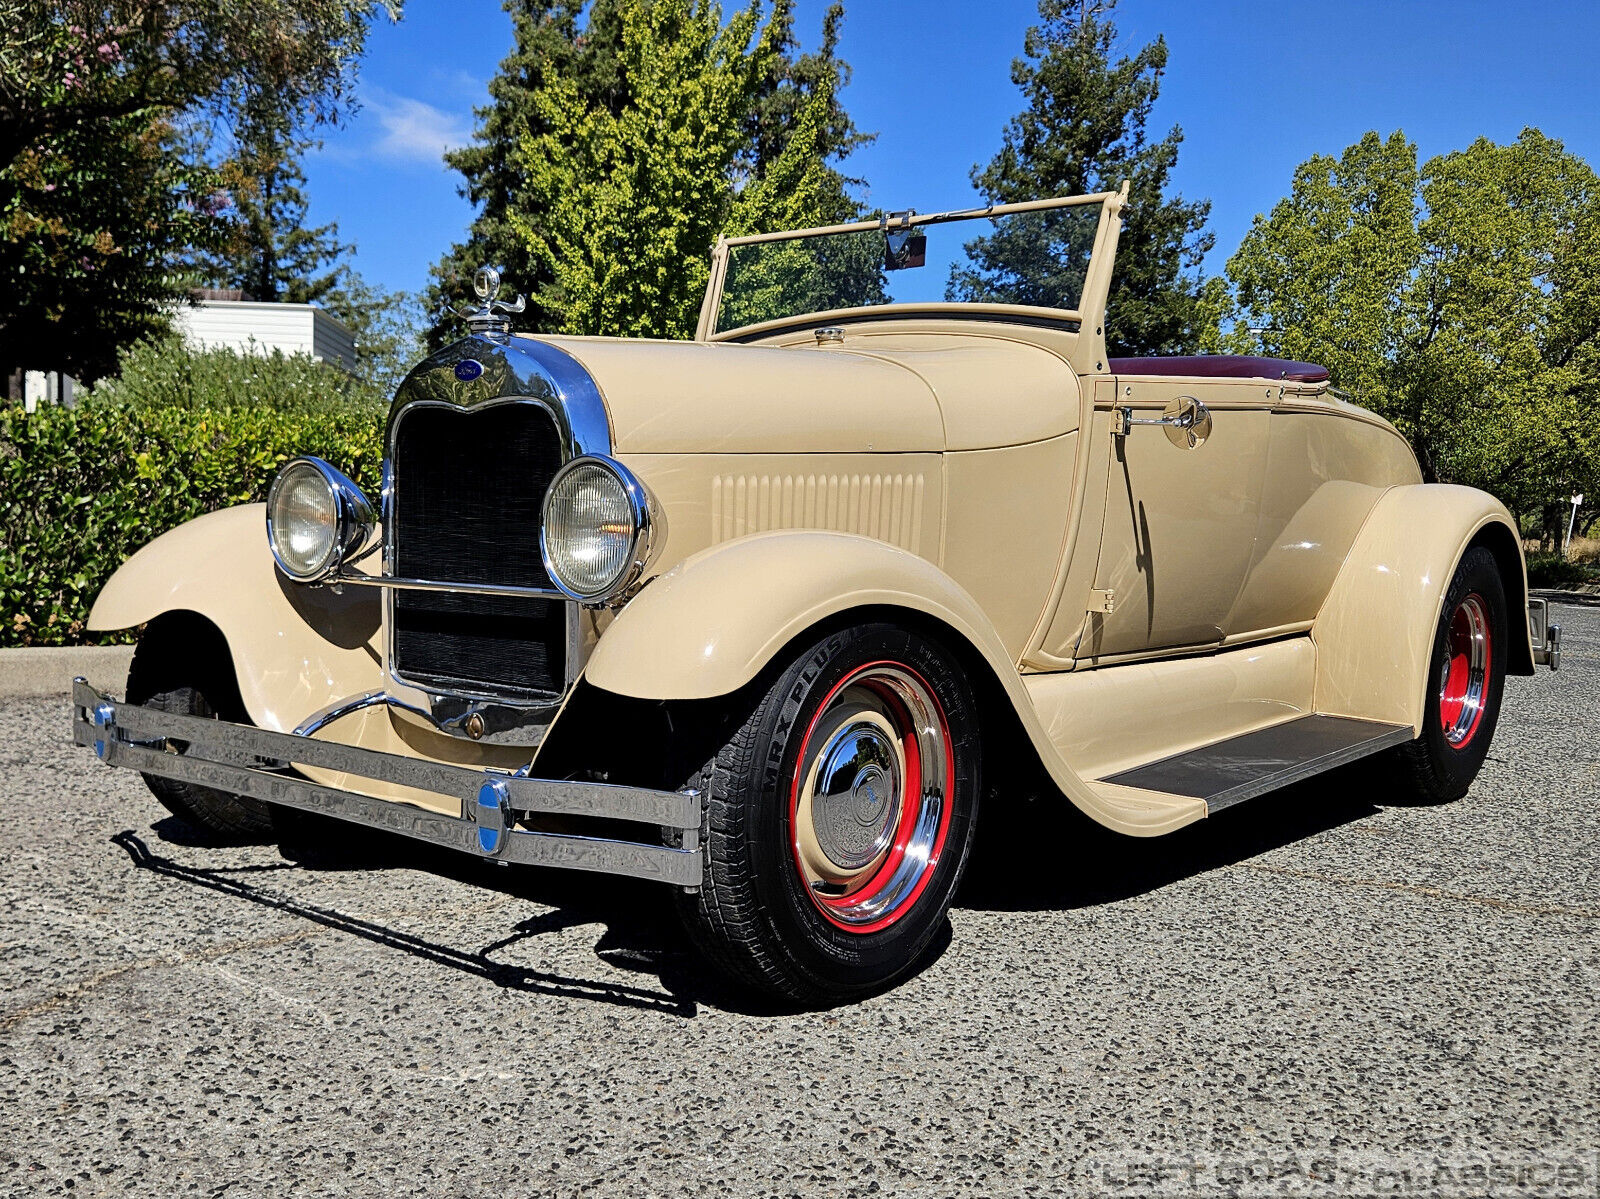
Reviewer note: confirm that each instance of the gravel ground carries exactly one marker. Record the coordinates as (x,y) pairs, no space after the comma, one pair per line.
(1324,992)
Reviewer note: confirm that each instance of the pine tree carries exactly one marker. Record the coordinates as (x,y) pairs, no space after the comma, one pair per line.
(1083,131)
(562,42)
(273,253)
(551,41)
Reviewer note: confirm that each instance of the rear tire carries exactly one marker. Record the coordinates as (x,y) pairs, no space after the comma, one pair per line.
(1466,680)
(839,817)
(182,665)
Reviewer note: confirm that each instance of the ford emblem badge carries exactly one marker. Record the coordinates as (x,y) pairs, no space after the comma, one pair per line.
(468,369)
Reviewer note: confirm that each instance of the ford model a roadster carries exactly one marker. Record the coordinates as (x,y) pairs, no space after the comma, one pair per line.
(763,615)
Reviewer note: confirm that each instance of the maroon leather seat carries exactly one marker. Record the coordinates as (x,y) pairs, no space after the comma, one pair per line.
(1222,366)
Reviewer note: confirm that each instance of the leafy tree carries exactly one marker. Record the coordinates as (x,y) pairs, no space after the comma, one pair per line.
(272,252)
(90,217)
(567,45)
(387,327)
(1461,300)
(72,63)
(1083,131)
(98,197)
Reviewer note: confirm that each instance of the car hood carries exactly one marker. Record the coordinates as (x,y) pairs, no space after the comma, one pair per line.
(893,394)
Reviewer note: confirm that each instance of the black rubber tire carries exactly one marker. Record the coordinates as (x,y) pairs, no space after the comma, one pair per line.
(752,916)
(1434,770)
(321,842)
(182,665)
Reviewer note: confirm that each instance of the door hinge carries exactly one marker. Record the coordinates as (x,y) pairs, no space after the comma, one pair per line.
(1103,599)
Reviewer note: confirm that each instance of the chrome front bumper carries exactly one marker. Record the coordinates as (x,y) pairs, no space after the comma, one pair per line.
(255,762)
(1546,636)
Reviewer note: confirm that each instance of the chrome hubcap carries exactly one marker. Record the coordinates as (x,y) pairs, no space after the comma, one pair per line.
(855,792)
(870,804)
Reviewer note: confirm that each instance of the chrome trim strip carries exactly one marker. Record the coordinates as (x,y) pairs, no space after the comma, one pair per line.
(102,723)
(398,584)
(343,707)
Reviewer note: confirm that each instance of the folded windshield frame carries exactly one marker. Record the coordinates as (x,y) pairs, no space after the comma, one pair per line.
(1088,313)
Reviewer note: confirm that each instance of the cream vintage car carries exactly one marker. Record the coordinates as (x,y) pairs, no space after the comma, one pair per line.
(770,615)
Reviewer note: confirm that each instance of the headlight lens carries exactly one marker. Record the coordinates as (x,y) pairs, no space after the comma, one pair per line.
(315,516)
(596,517)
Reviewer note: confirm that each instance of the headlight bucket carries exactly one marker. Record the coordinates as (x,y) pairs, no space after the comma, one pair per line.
(597,530)
(317,519)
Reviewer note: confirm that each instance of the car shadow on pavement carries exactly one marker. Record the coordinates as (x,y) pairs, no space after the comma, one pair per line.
(642,933)
(1044,855)
(631,941)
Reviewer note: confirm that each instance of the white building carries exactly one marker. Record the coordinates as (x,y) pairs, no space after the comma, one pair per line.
(251,326)
(47,387)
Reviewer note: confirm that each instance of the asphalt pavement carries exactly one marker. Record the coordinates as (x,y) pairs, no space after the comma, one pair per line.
(1327,991)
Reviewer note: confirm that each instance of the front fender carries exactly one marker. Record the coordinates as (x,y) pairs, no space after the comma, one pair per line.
(1374,633)
(295,648)
(707,627)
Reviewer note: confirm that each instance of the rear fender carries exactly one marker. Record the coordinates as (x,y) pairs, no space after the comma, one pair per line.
(1374,633)
(295,648)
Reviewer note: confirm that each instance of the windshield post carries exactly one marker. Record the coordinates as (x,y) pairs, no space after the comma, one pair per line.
(1089,355)
(713,300)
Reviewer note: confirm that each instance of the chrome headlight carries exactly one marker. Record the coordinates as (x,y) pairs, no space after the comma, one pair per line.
(597,528)
(316,519)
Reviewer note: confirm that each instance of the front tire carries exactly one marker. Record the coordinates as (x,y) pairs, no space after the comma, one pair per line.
(839,818)
(1465,683)
(182,665)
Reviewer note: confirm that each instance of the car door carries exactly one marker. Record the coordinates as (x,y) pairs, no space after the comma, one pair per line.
(1179,525)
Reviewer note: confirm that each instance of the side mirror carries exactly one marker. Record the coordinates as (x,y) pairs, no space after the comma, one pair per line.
(904,248)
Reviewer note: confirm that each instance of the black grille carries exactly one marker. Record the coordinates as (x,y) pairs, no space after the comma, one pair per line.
(468,485)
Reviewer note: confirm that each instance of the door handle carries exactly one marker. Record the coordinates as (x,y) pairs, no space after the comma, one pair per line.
(1186,422)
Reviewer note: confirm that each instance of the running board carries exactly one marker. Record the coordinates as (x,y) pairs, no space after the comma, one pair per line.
(1241,768)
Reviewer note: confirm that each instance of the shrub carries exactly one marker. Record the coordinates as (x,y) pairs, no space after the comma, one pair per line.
(1552,570)
(164,373)
(81,489)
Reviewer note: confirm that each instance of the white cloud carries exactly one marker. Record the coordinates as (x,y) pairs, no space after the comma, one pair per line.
(413,131)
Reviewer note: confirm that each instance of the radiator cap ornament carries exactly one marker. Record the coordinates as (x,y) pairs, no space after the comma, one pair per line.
(493,316)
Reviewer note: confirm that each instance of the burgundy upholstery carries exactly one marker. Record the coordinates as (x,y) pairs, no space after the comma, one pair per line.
(1222,366)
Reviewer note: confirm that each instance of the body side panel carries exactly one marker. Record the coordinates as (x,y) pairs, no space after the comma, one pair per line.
(1005,530)
(1324,473)
(1179,526)
(712,498)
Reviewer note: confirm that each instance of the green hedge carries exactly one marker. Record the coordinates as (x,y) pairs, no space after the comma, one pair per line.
(82,489)
(1552,570)
(165,374)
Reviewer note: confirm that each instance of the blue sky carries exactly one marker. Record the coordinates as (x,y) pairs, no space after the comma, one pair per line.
(1257,87)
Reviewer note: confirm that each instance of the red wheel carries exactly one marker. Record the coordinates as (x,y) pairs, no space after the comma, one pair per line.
(839,816)
(868,811)
(1464,672)
(1465,680)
